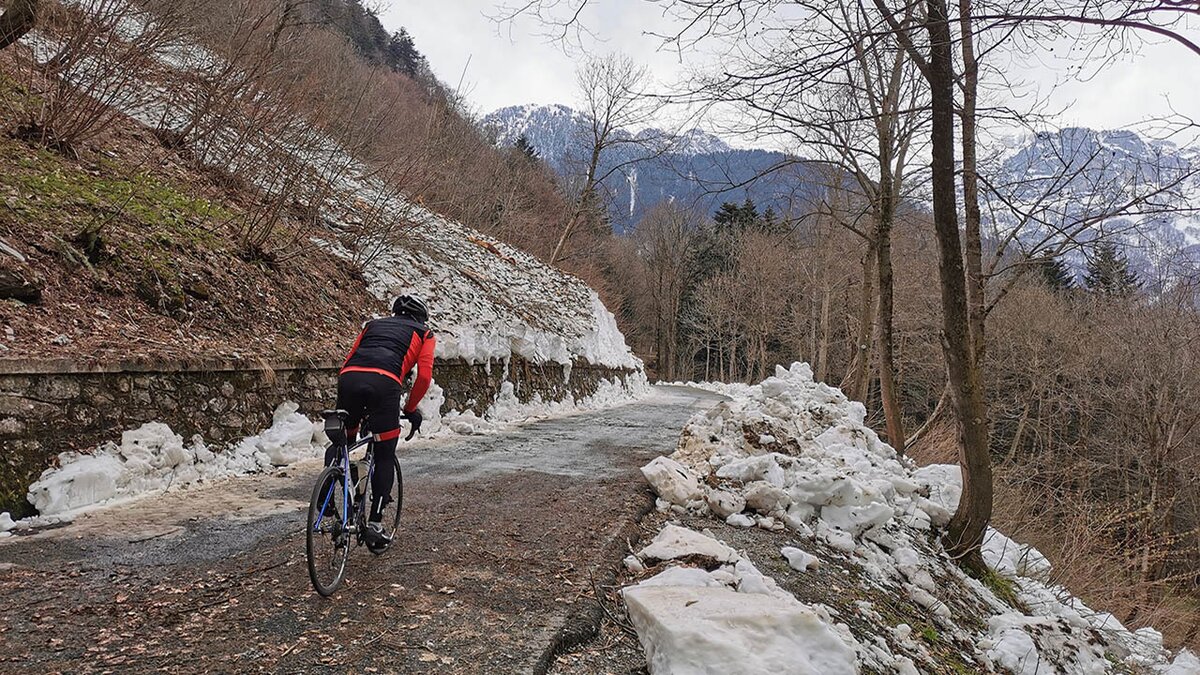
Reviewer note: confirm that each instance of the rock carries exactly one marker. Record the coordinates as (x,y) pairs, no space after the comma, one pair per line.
(61,340)
(725,503)
(6,522)
(766,498)
(672,481)
(13,286)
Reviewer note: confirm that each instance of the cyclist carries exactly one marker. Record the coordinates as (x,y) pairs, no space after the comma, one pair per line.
(370,384)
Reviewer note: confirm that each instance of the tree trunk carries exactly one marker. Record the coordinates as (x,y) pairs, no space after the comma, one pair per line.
(971,225)
(858,377)
(823,348)
(18,19)
(964,536)
(889,397)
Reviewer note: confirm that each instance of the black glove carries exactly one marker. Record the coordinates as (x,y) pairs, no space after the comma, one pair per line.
(414,418)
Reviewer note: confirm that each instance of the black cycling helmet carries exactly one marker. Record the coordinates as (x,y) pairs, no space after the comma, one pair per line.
(412,306)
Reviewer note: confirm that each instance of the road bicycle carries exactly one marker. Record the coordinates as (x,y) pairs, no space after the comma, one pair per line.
(337,512)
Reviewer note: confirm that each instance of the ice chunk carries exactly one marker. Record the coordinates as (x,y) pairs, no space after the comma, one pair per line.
(85,481)
(766,498)
(693,631)
(681,576)
(725,503)
(800,560)
(6,522)
(1185,663)
(740,520)
(1010,559)
(672,481)
(944,482)
(857,519)
(676,542)
(755,468)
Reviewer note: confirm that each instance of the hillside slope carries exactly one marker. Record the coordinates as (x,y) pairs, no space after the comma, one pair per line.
(139,246)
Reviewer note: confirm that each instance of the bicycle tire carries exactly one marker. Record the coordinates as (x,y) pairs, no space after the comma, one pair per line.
(336,539)
(390,515)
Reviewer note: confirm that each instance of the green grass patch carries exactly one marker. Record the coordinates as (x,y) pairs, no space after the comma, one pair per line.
(47,189)
(1003,588)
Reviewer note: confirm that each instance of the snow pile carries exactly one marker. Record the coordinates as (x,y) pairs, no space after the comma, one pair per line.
(730,620)
(506,409)
(794,457)
(153,458)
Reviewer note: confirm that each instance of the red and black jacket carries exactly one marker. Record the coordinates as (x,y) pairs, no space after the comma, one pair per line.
(392,346)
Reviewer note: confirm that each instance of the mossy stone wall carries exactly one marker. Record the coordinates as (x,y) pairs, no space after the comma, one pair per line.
(47,407)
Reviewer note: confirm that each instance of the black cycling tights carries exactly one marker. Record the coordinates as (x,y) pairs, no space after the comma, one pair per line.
(376,397)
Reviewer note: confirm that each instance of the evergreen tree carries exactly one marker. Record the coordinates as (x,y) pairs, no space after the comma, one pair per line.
(1108,272)
(527,148)
(731,217)
(1054,272)
(402,55)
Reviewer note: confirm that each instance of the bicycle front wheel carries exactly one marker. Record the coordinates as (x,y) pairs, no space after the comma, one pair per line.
(328,538)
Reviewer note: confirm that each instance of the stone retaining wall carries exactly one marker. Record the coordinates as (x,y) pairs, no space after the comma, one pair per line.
(47,407)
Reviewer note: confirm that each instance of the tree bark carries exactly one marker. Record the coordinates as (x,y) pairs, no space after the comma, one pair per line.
(883,330)
(857,378)
(964,536)
(822,348)
(970,171)
(18,19)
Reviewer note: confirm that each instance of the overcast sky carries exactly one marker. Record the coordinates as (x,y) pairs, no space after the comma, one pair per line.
(516,63)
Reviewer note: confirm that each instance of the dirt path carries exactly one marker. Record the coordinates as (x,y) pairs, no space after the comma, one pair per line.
(501,538)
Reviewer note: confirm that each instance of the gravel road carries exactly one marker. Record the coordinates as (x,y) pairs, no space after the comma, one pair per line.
(501,539)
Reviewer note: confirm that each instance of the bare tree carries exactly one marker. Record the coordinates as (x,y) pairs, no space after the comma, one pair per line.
(612,90)
(666,240)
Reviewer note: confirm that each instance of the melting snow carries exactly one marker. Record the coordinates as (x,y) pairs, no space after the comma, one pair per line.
(797,452)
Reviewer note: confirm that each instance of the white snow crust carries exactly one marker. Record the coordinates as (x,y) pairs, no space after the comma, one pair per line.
(731,620)
(799,454)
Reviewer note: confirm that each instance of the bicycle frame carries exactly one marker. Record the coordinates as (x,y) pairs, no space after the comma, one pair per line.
(344,452)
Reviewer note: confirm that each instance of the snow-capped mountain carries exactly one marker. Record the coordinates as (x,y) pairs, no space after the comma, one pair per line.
(693,167)
(1079,183)
(556,130)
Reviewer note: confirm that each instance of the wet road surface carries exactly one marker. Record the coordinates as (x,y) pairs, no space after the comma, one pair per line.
(501,539)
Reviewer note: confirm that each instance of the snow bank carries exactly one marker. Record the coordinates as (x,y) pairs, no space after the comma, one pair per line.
(791,452)
(153,458)
(506,409)
(489,301)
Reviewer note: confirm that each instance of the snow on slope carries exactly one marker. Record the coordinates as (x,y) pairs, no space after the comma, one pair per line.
(489,301)
(793,458)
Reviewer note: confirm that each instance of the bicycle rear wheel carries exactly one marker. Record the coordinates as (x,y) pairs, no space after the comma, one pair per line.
(328,540)
(391,511)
